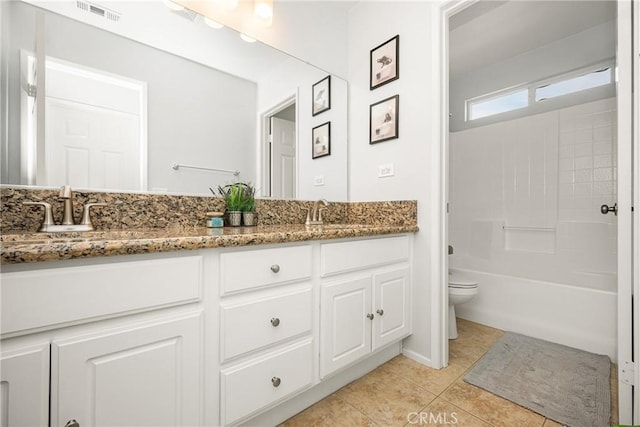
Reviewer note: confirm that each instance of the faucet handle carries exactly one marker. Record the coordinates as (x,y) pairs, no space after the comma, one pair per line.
(47,219)
(86,219)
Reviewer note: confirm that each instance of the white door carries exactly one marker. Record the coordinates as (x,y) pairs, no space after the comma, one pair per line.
(391,303)
(24,386)
(283,158)
(94,129)
(91,147)
(147,375)
(628,401)
(345,329)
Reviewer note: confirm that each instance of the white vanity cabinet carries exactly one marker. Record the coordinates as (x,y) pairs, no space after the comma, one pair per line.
(114,341)
(266,323)
(364,299)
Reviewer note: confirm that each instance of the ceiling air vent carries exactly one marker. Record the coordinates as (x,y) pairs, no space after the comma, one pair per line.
(98,10)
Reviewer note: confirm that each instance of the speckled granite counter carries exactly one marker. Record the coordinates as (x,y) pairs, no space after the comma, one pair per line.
(134,223)
(33,247)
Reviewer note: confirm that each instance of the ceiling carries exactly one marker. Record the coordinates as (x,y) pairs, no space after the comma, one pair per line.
(491,31)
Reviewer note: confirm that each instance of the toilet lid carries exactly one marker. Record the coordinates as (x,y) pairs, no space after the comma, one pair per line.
(462,283)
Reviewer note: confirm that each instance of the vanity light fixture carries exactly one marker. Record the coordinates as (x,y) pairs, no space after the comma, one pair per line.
(213,24)
(263,10)
(247,38)
(173,6)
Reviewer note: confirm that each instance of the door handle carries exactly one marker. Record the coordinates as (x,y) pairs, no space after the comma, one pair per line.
(604,209)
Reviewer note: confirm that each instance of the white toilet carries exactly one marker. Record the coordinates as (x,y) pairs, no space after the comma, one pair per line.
(461,290)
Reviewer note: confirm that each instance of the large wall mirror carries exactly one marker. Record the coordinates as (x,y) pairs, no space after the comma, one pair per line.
(139,97)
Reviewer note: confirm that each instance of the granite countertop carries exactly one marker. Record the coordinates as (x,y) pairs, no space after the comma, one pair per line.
(23,247)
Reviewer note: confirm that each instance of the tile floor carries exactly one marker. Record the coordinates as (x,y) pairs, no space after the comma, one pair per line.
(396,393)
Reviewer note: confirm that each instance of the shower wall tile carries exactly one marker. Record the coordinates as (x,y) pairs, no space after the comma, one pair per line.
(549,170)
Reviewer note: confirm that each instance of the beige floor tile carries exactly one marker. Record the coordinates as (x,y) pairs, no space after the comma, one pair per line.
(489,407)
(550,423)
(331,411)
(433,380)
(441,413)
(473,341)
(386,398)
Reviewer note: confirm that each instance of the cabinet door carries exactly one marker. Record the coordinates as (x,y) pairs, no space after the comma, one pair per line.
(392,306)
(24,386)
(344,326)
(145,375)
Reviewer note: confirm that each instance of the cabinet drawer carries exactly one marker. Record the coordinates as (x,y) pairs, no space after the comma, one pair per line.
(263,267)
(250,387)
(47,297)
(251,325)
(348,256)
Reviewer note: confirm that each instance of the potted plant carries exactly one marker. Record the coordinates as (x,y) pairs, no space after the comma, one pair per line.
(234,197)
(249,208)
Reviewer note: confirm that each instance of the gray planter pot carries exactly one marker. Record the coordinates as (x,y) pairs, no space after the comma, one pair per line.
(249,218)
(234,218)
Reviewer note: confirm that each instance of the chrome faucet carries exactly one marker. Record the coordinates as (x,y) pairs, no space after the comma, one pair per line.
(314,217)
(68,222)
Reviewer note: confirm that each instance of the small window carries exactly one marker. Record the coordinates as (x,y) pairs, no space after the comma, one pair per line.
(484,107)
(575,84)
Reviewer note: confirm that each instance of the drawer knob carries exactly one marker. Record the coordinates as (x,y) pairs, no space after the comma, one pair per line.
(72,423)
(275,268)
(380,311)
(275,381)
(370,316)
(275,322)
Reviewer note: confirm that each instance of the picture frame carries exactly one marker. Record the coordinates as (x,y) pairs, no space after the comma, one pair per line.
(384,63)
(321,96)
(321,140)
(384,120)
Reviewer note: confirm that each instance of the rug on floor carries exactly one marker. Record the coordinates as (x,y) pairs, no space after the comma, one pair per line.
(567,385)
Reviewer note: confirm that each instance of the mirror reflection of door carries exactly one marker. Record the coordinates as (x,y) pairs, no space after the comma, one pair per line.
(283,153)
(95,129)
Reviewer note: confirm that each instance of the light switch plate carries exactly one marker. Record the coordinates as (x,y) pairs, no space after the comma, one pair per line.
(318,180)
(385,170)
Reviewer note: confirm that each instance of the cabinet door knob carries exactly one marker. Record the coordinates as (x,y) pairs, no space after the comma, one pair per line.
(380,311)
(370,316)
(72,423)
(275,381)
(275,322)
(275,268)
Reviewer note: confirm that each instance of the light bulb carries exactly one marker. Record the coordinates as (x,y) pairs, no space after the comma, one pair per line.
(263,10)
(212,23)
(247,38)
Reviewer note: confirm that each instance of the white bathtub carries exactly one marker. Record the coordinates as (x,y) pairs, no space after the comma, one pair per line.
(577,317)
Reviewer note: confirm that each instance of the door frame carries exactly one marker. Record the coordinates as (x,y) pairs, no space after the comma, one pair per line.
(264,143)
(629,406)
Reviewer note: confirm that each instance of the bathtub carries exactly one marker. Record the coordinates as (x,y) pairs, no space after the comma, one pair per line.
(578,317)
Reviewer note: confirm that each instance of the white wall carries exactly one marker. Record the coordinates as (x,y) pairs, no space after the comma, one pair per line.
(545,176)
(294,77)
(371,23)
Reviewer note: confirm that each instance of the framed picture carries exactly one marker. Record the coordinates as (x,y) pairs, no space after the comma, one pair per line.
(384,63)
(321,144)
(321,96)
(383,120)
